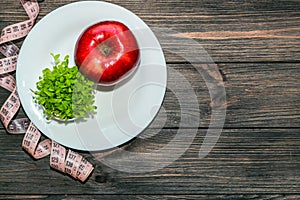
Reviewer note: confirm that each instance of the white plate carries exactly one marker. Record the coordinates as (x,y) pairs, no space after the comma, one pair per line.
(124,111)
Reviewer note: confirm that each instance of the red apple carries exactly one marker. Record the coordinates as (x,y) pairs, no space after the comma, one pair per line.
(107,52)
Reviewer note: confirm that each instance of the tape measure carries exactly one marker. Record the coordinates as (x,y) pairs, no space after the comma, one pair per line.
(61,159)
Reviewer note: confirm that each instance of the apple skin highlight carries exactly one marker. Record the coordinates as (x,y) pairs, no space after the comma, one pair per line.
(107,52)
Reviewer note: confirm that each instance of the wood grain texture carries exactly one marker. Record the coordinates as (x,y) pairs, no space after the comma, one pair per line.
(255,45)
(151,197)
(247,161)
(234,31)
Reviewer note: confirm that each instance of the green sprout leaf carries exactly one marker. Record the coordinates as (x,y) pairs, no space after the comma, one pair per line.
(64,92)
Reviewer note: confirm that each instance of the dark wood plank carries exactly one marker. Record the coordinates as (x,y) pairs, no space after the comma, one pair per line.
(152,197)
(257,95)
(251,161)
(234,31)
(270,91)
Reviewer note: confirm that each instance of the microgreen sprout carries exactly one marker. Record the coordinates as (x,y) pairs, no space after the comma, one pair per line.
(63,92)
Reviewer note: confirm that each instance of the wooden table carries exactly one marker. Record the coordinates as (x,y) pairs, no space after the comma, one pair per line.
(255,46)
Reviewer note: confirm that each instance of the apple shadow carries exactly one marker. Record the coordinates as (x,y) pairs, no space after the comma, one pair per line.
(103,88)
(109,88)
